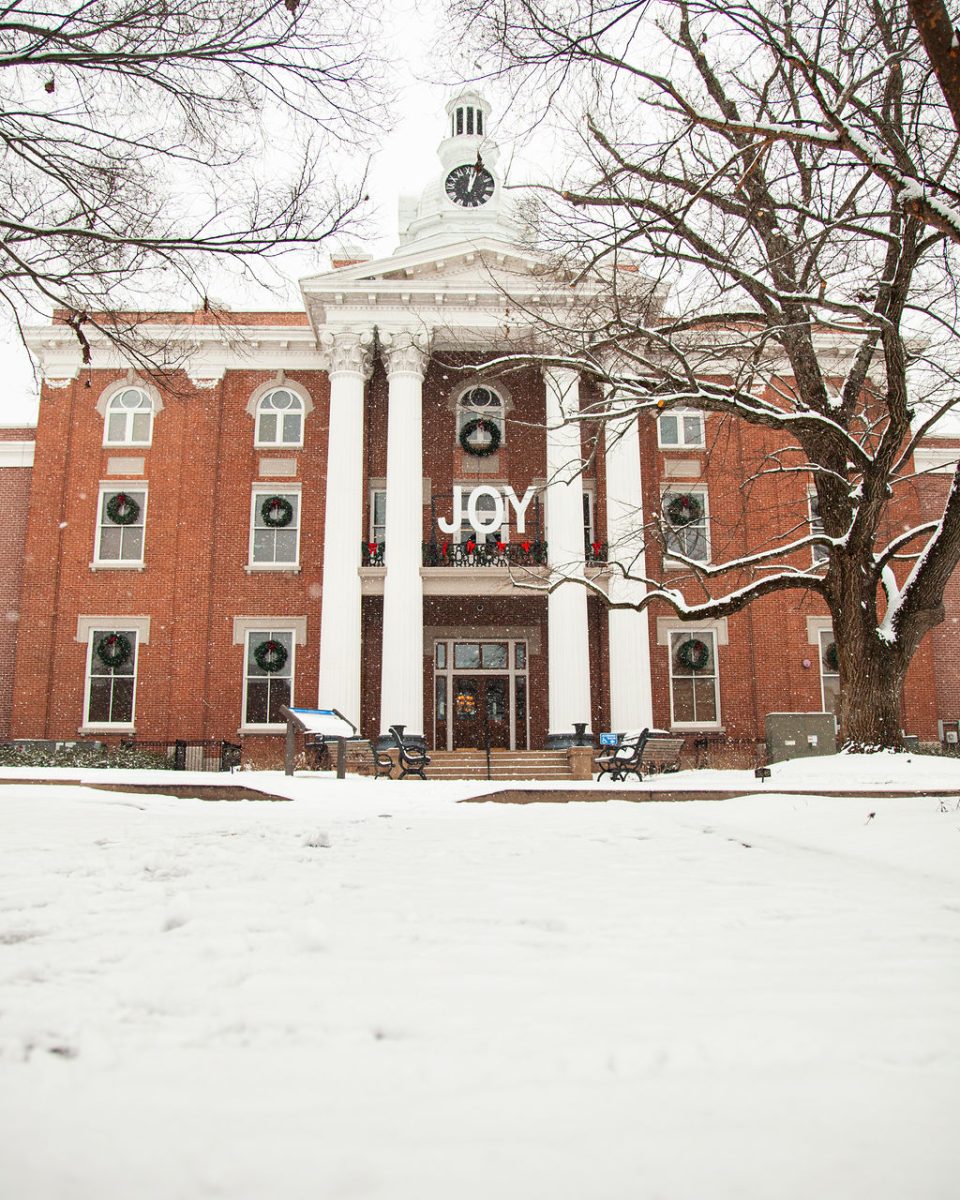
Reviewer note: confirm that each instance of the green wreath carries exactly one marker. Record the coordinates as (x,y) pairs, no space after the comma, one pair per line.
(276,511)
(693,654)
(831,657)
(270,656)
(685,508)
(114,650)
(471,427)
(122,509)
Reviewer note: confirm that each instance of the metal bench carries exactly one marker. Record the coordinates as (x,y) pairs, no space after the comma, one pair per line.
(650,751)
(413,760)
(383,764)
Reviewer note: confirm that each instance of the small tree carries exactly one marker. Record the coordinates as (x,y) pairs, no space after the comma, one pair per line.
(786,174)
(144,139)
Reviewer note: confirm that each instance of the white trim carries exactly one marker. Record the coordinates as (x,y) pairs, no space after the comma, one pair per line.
(698,489)
(666,625)
(936,460)
(285,625)
(814,627)
(115,625)
(103,407)
(296,625)
(121,385)
(139,625)
(16,454)
(682,443)
(283,489)
(114,487)
(702,629)
(281,383)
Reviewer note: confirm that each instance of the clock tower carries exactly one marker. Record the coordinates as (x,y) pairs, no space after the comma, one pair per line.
(467,197)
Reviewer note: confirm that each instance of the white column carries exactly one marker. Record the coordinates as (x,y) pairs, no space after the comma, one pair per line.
(631,696)
(349,357)
(401,687)
(568,662)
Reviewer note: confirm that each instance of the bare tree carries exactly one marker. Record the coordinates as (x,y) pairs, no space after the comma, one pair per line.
(786,174)
(144,139)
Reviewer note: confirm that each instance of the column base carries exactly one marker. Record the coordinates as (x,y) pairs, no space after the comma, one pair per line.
(576,737)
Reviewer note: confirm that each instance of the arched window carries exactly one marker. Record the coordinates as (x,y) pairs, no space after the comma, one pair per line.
(129,418)
(280,419)
(481,402)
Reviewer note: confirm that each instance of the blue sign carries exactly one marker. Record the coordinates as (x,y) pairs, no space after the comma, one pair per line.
(609,739)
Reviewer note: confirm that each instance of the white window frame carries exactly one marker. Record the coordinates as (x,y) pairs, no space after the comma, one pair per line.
(276,443)
(251,636)
(824,638)
(94,634)
(113,488)
(682,442)
(702,493)
(819,555)
(258,494)
(128,439)
(497,414)
(710,636)
(379,490)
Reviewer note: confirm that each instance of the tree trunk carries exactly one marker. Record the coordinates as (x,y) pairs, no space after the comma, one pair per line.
(871,691)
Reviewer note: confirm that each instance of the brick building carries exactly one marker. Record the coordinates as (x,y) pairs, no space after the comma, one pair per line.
(342,506)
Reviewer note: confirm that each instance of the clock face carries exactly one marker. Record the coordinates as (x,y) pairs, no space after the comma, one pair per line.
(469,186)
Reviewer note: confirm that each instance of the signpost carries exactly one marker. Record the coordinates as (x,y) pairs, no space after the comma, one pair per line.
(326,723)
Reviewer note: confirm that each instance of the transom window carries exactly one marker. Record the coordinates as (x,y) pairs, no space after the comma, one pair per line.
(129,420)
(694,699)
(680,430)
(111,677)
(280,419)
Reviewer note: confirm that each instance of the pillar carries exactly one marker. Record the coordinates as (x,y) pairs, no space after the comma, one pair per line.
(631,697)
(349,358)
(405,356)
(568,663)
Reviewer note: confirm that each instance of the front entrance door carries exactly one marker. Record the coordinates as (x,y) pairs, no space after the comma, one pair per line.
(481,704)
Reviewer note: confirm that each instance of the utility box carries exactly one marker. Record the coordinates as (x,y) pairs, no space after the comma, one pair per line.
(800,735)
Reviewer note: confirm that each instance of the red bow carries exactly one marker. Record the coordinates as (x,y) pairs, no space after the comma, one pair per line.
(471,546)
(526,547)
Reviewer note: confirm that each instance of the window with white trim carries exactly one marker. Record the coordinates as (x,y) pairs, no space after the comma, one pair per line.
(120,526)
(378,515)
(694,692)
(129,418)
(111,677)
(681,429)
(275,528)
(280,419)
(829,672)
(821,554)
(267,677)
(686,523)
(480,403)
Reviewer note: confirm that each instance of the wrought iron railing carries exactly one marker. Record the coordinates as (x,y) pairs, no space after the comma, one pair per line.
(371,554)
(484,554)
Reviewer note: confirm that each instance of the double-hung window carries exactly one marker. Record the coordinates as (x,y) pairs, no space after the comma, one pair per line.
(111,677)
(275,529)
(821,554)
(267,677)
(829,671)
(121,522)
(686,523)
(694,696)
(680,429)
(378,515)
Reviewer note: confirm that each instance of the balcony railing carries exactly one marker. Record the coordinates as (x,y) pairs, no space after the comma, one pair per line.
(481,554)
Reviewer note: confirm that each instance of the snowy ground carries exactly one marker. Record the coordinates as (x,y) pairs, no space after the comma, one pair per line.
(376,992)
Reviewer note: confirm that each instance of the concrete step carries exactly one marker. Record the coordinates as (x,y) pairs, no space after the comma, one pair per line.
(504,764)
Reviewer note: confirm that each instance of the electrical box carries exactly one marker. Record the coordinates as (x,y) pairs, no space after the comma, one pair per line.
(800,735)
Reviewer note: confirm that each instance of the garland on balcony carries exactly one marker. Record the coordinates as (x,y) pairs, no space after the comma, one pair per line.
(114,650)
(685,508)
(693,654)
(488,427)
(122,509)
(276,511)
(270,656)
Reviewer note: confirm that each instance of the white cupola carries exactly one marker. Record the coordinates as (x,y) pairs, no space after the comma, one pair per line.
(467,197)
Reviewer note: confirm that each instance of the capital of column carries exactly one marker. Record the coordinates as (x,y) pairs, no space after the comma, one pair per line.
(406,352)
(347,352)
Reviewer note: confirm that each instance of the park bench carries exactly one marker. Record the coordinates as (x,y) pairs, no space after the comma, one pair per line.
(413,760)
(648,750)
(383,764)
